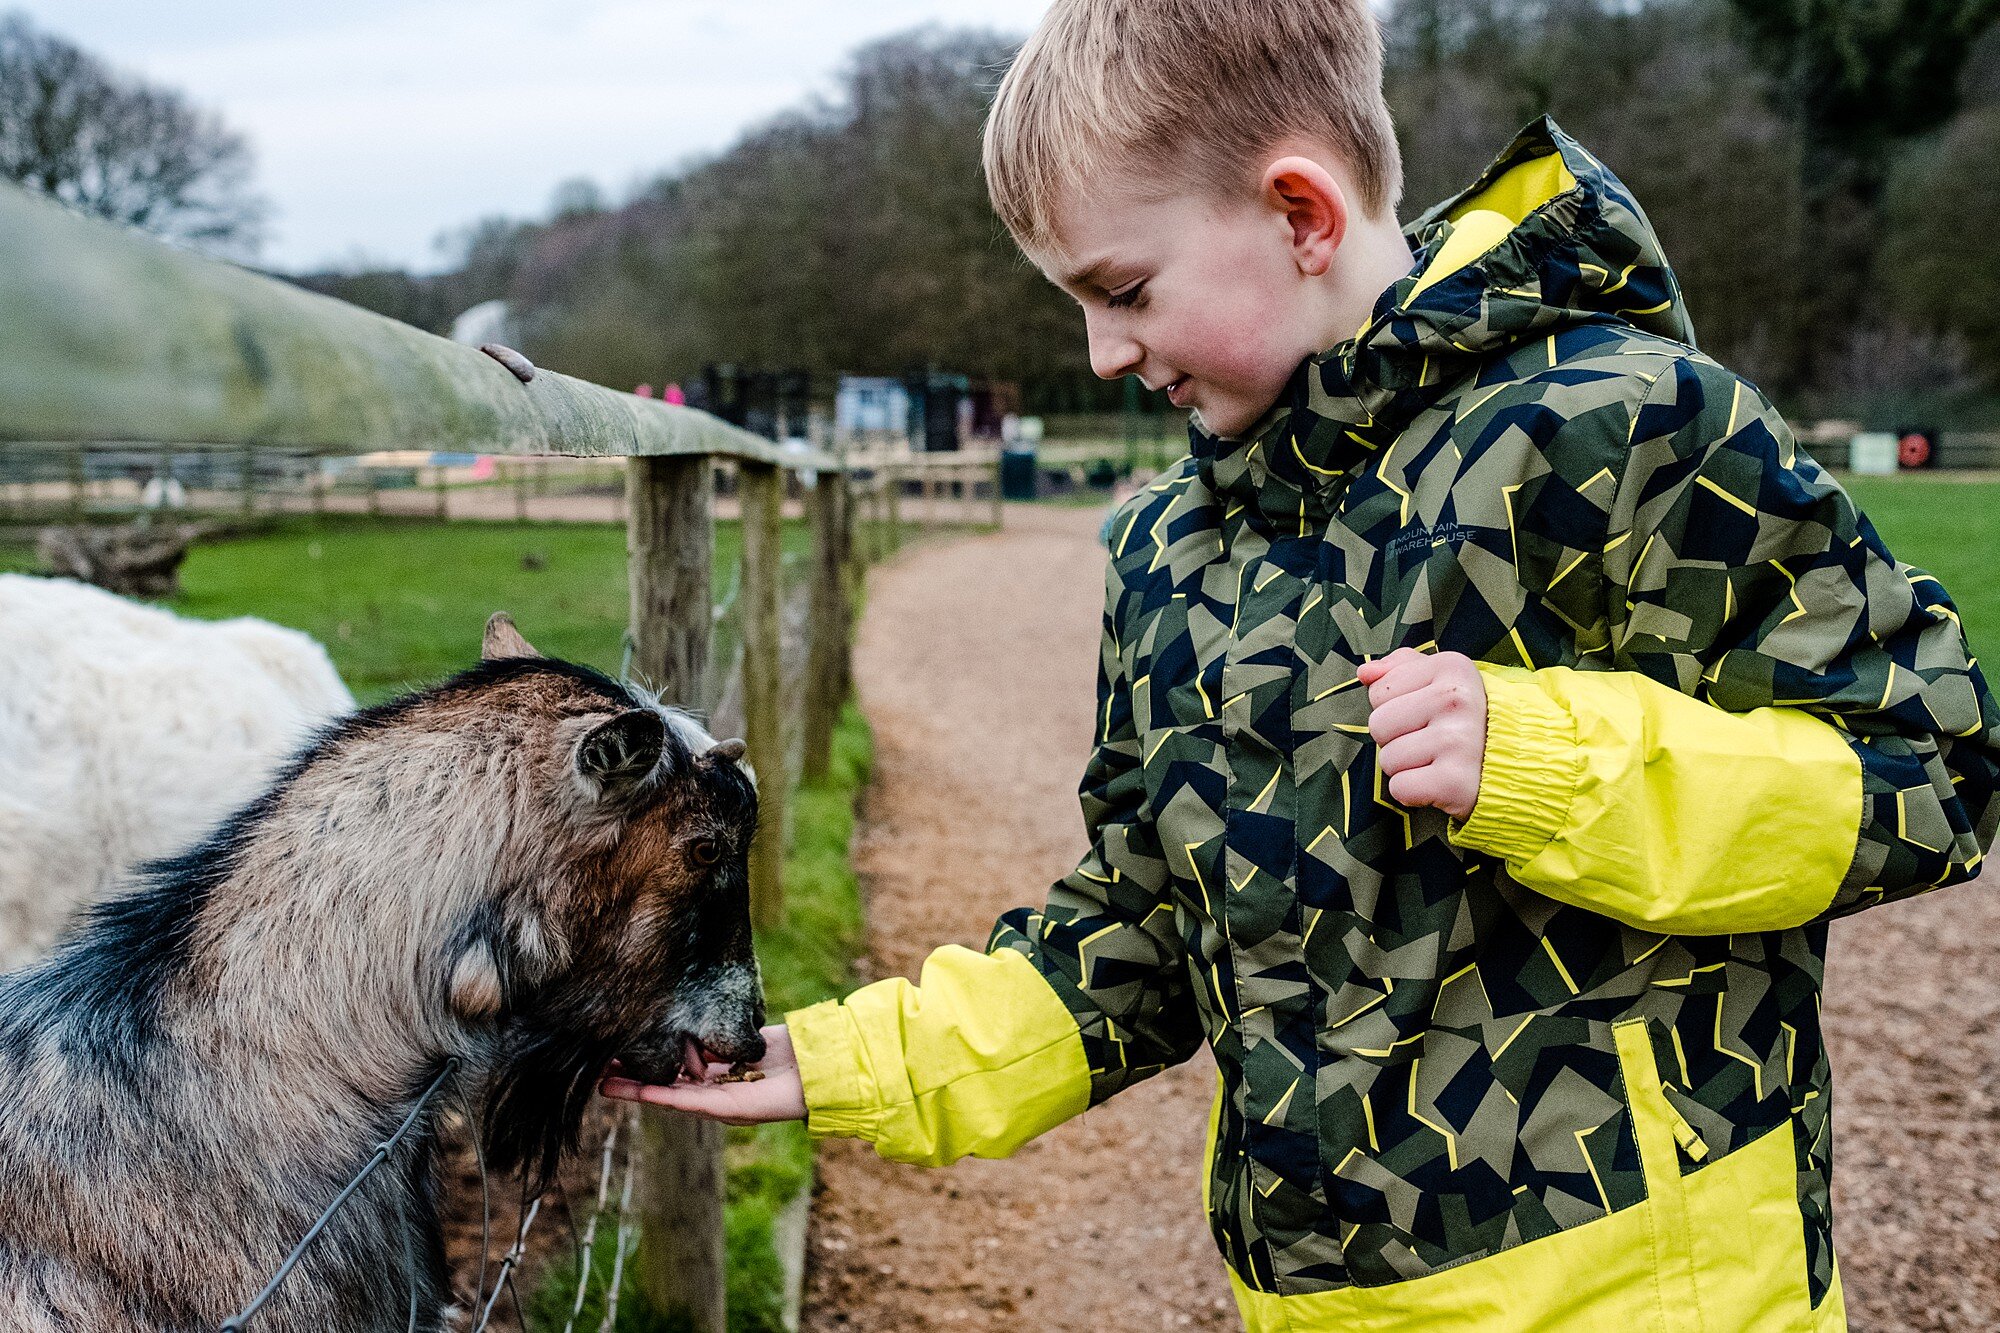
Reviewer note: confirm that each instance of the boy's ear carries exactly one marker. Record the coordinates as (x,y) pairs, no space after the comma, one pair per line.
(1314,209)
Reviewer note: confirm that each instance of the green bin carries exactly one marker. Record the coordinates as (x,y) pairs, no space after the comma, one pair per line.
(1017,474)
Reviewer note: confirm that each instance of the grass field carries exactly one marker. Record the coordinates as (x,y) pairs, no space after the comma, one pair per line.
(1952,529)
(400,602)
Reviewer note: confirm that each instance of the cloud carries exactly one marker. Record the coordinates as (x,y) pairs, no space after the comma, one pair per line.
(379,125)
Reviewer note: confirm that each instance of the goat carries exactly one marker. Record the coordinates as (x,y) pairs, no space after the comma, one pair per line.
(125,732)
(530,868)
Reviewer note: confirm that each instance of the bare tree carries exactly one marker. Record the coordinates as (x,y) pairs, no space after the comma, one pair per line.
(75,129)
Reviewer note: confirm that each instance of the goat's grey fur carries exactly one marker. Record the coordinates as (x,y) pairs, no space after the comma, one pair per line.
(529,867)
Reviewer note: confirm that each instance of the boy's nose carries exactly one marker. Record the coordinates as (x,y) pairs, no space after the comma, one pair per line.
(1112,355)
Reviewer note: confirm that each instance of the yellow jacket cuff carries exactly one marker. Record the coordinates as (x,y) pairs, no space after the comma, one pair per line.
(1529,775)
(839,1092)
(1610,791)
(975,1060)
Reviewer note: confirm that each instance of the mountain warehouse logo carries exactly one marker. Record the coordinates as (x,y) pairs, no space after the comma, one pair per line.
(1450,533)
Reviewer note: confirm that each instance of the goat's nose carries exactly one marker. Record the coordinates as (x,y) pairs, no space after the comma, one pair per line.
(753,1049)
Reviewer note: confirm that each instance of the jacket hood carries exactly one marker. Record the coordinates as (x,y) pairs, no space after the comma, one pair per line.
(1546,239)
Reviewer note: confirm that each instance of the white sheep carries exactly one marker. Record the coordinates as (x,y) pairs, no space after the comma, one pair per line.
(126,732)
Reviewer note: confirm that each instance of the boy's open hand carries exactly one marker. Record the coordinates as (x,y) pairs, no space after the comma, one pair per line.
(777,1096)
(1428,718)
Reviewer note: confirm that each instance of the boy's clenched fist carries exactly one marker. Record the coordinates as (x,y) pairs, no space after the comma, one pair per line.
(1428,718)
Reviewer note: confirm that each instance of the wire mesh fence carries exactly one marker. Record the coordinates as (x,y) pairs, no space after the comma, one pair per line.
(598,1287)
(58,482)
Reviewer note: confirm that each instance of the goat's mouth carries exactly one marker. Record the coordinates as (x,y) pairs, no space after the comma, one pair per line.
(685,1054)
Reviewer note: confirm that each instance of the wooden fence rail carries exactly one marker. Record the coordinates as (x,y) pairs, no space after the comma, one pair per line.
(945,488)
(110,337)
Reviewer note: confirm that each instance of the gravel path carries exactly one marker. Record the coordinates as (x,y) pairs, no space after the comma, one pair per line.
(976,660)
(1913,1021)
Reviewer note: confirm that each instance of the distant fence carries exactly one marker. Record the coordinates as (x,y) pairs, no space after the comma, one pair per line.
(44,482)
(117,352)
(1956,449)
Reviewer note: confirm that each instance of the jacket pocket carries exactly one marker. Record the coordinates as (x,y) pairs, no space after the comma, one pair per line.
(1728,1241)
(1720,1250)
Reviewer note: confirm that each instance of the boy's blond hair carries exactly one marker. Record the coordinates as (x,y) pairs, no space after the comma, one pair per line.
(1193,91)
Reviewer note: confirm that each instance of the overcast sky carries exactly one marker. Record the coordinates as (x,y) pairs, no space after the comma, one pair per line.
(378,124)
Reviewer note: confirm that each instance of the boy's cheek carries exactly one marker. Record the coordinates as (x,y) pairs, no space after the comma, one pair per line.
(1247,352)
(1239,372)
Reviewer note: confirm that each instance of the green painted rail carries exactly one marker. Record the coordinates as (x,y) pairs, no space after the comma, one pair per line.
(108,336)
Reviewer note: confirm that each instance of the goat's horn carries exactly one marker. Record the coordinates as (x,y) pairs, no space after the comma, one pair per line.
(730,751)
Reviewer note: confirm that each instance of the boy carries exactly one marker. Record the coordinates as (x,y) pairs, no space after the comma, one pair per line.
(1494,709)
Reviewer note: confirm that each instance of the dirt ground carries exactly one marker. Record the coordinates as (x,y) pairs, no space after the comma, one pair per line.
(976,662)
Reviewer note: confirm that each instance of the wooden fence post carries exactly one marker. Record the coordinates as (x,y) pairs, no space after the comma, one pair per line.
(374,493)
(79,484)
(893,475)
(999,495)
(759,495)
(875,547)
(856,550)
(437,480)
(826,649)
(670,540)
(521,492)
(249,481)
(871,521)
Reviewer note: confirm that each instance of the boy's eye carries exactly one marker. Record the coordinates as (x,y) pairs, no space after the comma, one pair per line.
(1120,300)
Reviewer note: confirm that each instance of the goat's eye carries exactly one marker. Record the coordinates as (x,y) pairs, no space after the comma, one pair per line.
(705,851)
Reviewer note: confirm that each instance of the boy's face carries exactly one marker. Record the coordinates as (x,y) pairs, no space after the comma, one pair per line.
(1196,295)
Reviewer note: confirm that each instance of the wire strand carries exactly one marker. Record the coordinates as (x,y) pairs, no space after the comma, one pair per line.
(508,1263)
(588,1245)
(624,1239)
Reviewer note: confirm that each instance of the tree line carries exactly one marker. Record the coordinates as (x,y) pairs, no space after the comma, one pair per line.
(1815,168)
(1820,171)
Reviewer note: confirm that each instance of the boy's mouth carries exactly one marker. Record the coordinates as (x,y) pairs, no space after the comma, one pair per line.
(1177,392)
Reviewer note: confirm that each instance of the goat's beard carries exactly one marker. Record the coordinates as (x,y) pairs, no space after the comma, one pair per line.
(542,1082)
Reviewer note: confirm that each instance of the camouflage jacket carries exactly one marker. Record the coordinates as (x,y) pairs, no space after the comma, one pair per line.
(1720,713)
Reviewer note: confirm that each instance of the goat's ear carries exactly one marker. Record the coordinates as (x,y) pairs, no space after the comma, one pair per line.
(618,755)
(503,640)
